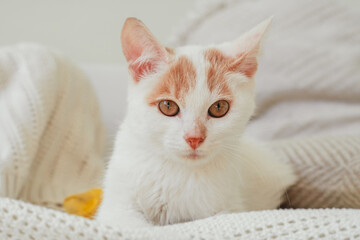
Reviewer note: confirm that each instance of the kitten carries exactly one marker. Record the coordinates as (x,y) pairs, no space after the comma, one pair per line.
(179,154)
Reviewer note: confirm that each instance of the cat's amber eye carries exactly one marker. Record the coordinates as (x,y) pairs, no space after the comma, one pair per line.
(168,108)
(219,109)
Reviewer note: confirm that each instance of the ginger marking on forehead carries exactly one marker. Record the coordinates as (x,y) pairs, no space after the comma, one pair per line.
(176,82)
(216,71)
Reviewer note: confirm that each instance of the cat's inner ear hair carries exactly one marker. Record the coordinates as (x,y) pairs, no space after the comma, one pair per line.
(142,50)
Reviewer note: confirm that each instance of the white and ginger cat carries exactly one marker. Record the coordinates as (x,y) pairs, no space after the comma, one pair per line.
(179,154)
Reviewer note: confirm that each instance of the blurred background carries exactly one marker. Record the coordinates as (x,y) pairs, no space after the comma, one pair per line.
(88,30)
(85,30)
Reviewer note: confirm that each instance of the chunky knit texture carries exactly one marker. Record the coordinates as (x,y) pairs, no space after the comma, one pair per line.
(24,221)
(51,135)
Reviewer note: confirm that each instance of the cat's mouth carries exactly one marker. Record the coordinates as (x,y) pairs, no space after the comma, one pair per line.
(194,155)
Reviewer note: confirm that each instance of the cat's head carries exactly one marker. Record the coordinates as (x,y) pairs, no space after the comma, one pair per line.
(190,103)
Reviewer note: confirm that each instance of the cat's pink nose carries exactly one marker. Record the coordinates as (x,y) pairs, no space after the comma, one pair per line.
(194,142)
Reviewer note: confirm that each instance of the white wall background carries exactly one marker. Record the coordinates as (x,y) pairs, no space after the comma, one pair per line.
(87,31)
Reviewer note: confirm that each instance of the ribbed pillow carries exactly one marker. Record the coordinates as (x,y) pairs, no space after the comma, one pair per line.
(328,169)
(51,133)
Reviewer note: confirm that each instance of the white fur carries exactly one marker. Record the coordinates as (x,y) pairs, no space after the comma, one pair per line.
(149,181)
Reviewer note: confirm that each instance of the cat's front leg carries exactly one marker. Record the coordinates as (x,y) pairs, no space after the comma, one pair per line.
(125,217)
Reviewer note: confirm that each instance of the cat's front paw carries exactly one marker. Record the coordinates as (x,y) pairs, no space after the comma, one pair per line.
(124,220)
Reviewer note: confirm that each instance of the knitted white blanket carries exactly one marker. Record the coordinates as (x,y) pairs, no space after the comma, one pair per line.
(51,136)
(28,222)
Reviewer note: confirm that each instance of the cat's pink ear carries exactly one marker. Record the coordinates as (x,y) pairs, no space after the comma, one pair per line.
(141,49)
(246,49)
